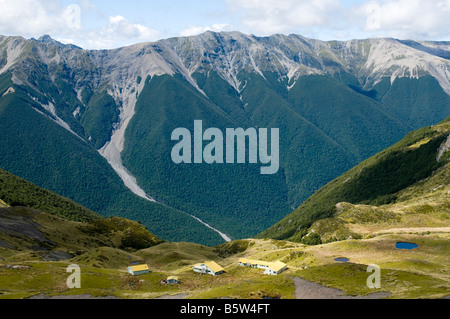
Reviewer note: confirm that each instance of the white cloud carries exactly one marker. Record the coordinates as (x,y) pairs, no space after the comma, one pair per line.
(34,18)
(37,17)
(405,18)
(120,30)
(72,17)
(420,19)
(118,33)
(195,30)
(86,24)
(283,16)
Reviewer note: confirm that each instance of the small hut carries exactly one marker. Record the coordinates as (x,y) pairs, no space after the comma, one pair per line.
(138,270)
(210,268)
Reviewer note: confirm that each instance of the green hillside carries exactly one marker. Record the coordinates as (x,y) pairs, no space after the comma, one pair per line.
(15,191)
(322,136)
(376,181)
(65,103)
(36,248)
(220,194)
(327,128)
(329,118)
(32,217)
(353,120)
(54,159)
(418,102)
(99,118)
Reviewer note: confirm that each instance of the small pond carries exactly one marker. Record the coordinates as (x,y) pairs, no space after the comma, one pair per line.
(342,260)
(402,245)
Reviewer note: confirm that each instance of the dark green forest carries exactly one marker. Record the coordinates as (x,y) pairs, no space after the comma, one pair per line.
(328,124)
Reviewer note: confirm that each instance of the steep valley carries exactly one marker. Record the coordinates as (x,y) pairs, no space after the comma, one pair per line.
(95,125)
(41,234)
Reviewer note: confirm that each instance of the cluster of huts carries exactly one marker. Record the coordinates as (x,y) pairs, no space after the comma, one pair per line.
(271,268)
(214,269)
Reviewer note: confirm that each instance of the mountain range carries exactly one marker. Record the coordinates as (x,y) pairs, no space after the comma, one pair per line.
(400,195)
(95,125)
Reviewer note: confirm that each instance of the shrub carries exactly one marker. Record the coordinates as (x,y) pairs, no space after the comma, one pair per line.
(312,239)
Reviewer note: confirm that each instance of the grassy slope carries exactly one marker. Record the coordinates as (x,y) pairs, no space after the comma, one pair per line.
(105,247)
(375,181)
(421,273)
(28,228)
(32,215)
(423,206)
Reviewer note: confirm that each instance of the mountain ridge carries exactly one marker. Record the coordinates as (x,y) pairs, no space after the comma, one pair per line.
(373,187)
(174,55)
(230,79)
(349,51)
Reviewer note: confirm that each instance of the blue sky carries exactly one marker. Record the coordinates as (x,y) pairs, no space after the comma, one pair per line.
(104,24)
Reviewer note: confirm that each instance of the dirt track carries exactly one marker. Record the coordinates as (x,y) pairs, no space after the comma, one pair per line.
(310,290)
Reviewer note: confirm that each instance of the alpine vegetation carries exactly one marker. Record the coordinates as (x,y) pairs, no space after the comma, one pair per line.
(235,146)
(95,126)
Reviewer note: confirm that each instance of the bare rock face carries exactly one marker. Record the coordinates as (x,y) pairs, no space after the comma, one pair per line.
(228,53)
(445,147)
(60,81)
